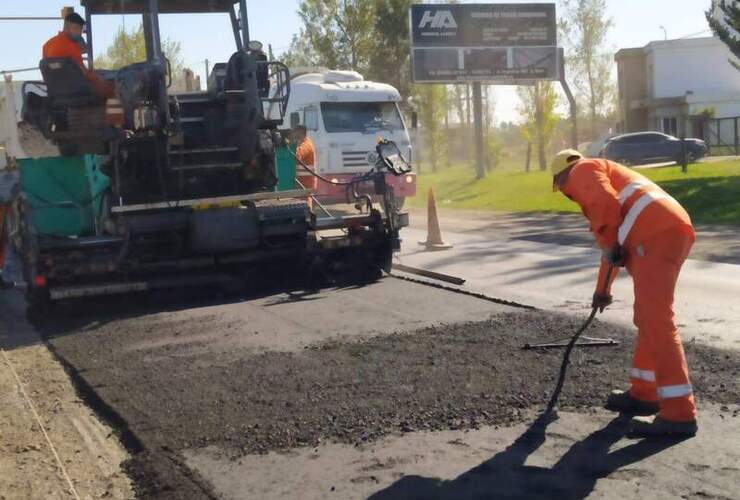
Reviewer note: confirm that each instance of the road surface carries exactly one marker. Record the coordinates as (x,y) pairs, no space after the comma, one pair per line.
(393,390)
(550,261)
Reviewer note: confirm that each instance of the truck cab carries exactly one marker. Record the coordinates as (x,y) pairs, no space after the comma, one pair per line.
(345,116)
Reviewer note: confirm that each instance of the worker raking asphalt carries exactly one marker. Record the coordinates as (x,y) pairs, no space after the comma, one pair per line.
(642,228)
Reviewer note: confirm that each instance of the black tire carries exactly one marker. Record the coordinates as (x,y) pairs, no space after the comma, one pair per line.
(690,158)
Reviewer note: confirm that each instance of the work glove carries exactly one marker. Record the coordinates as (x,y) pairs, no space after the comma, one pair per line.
(601,301)
(615,256)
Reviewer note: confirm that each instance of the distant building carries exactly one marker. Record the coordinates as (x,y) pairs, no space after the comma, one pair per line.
(188,81)
(673,86)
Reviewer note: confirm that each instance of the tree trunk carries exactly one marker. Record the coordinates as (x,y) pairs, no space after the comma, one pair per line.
(592,100)
(467,105)
(540,127)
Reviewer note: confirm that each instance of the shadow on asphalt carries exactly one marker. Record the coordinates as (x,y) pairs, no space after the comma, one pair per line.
(707,200)
(30,326)
(556,265)
(505,475)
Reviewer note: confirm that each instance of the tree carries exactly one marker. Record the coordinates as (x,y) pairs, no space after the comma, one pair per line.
(538,108)
(460,102)
(341,32)
(585,26)
(431,102)
(724,19)
(389,59)
(130,47)
(300,53)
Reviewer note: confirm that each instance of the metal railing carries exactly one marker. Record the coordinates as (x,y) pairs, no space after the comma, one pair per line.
(722,135)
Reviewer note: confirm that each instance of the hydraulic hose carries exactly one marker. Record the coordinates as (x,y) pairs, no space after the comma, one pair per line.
(566,357)
(358,179)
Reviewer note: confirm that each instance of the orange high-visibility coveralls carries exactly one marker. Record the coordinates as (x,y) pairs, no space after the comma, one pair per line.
(63,46)
(623,207)
(306,152)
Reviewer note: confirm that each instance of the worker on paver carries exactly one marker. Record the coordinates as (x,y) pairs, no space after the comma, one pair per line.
(69,44)
(306,153)
(642,228)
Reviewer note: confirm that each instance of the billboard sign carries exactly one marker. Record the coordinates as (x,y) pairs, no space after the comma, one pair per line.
(493,43)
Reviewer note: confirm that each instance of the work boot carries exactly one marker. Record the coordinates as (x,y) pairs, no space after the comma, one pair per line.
(659,427)
(623,402)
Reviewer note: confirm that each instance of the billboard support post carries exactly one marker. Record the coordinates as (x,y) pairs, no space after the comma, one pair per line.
(571,101)
(480,167)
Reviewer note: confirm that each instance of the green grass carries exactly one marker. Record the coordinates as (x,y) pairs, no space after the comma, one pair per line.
(710,191)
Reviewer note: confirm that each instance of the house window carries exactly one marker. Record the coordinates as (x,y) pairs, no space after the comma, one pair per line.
(670,126)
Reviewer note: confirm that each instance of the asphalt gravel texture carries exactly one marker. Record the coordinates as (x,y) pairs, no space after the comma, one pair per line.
(164,400)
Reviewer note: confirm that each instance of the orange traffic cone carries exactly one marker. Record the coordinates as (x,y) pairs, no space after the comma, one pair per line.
(434,234)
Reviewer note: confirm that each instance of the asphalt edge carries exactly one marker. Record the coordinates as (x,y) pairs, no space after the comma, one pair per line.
(127,437)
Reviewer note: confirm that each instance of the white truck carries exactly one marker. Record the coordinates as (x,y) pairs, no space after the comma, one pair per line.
(345,115)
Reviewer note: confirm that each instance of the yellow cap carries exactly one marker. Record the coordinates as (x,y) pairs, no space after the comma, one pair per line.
(563,160)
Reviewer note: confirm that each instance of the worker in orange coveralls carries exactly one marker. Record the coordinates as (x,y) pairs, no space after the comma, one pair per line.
(642,228)
(306,153)
(69,44)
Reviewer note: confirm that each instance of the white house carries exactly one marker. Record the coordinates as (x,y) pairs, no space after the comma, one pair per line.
(673,86)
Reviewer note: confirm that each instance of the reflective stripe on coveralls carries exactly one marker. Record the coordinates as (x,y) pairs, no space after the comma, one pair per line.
(640,205)
(646,375)
(674,391)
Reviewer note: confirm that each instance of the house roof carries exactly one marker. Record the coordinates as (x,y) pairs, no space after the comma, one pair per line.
(681,43)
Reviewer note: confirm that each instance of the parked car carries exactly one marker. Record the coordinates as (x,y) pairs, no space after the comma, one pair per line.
(651,147)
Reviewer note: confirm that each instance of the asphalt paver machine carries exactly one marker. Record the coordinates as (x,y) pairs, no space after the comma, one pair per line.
(158,189)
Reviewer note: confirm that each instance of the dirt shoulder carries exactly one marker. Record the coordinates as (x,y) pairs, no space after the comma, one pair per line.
(89,450)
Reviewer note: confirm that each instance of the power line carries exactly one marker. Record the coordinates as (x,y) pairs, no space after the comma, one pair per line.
(26,18)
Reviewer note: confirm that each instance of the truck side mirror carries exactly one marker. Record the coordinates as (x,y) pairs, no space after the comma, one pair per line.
(414,120)
(311,118)
(295,120)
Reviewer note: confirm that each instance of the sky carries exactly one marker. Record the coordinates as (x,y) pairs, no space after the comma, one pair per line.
(636,23)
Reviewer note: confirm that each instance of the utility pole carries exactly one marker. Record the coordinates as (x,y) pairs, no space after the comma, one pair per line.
(208,68)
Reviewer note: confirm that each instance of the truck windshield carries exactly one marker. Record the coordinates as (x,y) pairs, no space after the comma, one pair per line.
(366,117)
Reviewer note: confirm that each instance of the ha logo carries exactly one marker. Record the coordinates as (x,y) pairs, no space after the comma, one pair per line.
(441,19)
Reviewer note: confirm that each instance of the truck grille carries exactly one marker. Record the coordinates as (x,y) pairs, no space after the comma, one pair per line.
(354,159)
